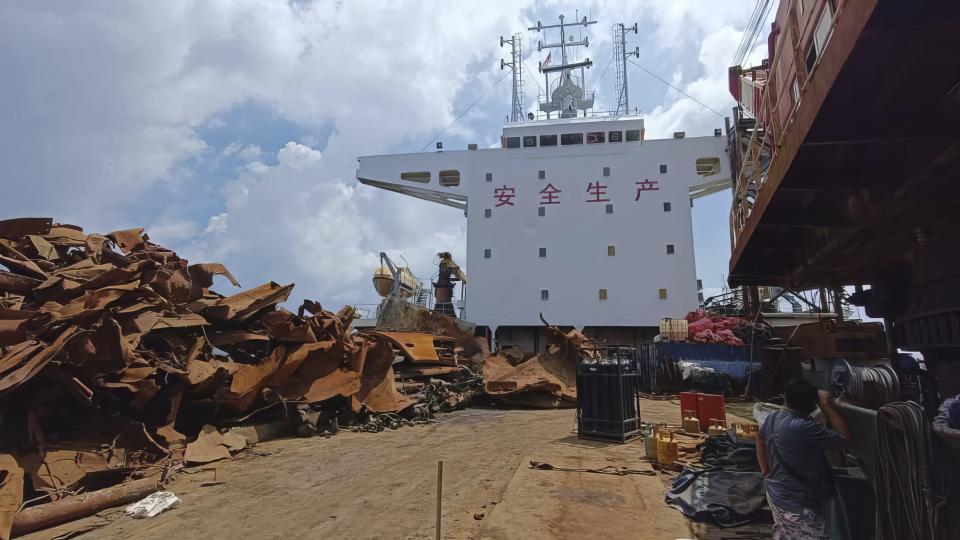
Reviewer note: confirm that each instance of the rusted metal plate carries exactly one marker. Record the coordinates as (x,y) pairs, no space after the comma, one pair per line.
(137,355)
(399,315)
(419,347)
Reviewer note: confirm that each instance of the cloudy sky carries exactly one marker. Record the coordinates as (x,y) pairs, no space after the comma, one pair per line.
(230,129)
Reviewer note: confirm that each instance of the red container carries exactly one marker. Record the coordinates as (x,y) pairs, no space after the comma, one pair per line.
(710,407)
(689,401)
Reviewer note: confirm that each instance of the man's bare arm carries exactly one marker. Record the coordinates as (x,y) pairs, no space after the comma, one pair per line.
(834,420)
(762,456)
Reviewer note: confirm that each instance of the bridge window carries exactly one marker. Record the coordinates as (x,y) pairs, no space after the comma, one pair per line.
(708,166)
(548,140)
(820,36)
(529,141)
(571,138)
(633,135)
(421,176)
(513,142)
(450,178)
(595,137)
(615,136)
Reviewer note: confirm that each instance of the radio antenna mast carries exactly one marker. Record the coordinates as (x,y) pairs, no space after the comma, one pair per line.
(620,55)
(516,65)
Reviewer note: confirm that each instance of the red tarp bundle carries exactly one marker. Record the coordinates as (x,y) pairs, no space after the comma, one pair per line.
(702,328)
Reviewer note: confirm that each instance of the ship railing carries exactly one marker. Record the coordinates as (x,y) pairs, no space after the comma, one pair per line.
(779,102)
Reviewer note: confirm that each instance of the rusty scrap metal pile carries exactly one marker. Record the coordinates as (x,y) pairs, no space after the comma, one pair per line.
(116,357)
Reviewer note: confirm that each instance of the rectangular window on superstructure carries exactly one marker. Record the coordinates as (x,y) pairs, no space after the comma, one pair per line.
(667,207)
(606,171)
(420,176)
(489,177)
(541,211)
(548,140)
(529,141)
(615,136)
(487,212)
(603,294)
(544,294)
(670,249)
(609,208)
(663,294)
(633,135)
(611,251)
(595,137)
(513,142)
(663,169)
(571,138)
(542,175)
(487,253)
(543,253)
(450,178)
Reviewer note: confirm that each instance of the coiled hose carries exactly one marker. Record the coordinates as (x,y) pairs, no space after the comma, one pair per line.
(881,378)
(906,479)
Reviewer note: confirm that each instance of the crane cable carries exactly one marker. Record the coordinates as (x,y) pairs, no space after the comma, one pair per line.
(752,30)
(852,379)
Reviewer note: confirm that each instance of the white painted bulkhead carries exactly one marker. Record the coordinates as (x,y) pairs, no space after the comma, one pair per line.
(506,283)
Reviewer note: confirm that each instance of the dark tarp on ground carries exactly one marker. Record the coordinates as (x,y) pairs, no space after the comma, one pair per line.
(729,491)
(727,452)
(729,498)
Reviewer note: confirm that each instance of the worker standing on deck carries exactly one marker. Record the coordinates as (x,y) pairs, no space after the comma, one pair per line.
(790,451)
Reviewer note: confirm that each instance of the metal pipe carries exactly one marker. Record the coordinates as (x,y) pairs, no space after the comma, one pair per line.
(439,494)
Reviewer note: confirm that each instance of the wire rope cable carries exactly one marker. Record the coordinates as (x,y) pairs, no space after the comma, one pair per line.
(465,111)
(668,83)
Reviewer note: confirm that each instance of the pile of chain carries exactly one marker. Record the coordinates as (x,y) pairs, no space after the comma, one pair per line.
(375,423)
(432,395)
(906,478)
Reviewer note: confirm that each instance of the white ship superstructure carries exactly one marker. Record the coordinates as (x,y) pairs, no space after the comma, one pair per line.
(576,216)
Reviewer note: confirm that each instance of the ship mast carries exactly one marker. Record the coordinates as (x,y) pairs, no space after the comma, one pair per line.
(567,96)
(516,66)
(620,56)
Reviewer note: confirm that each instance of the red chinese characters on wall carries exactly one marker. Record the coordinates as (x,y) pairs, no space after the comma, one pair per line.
(598,191)
(646,185)
(550,195)
(504,195)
